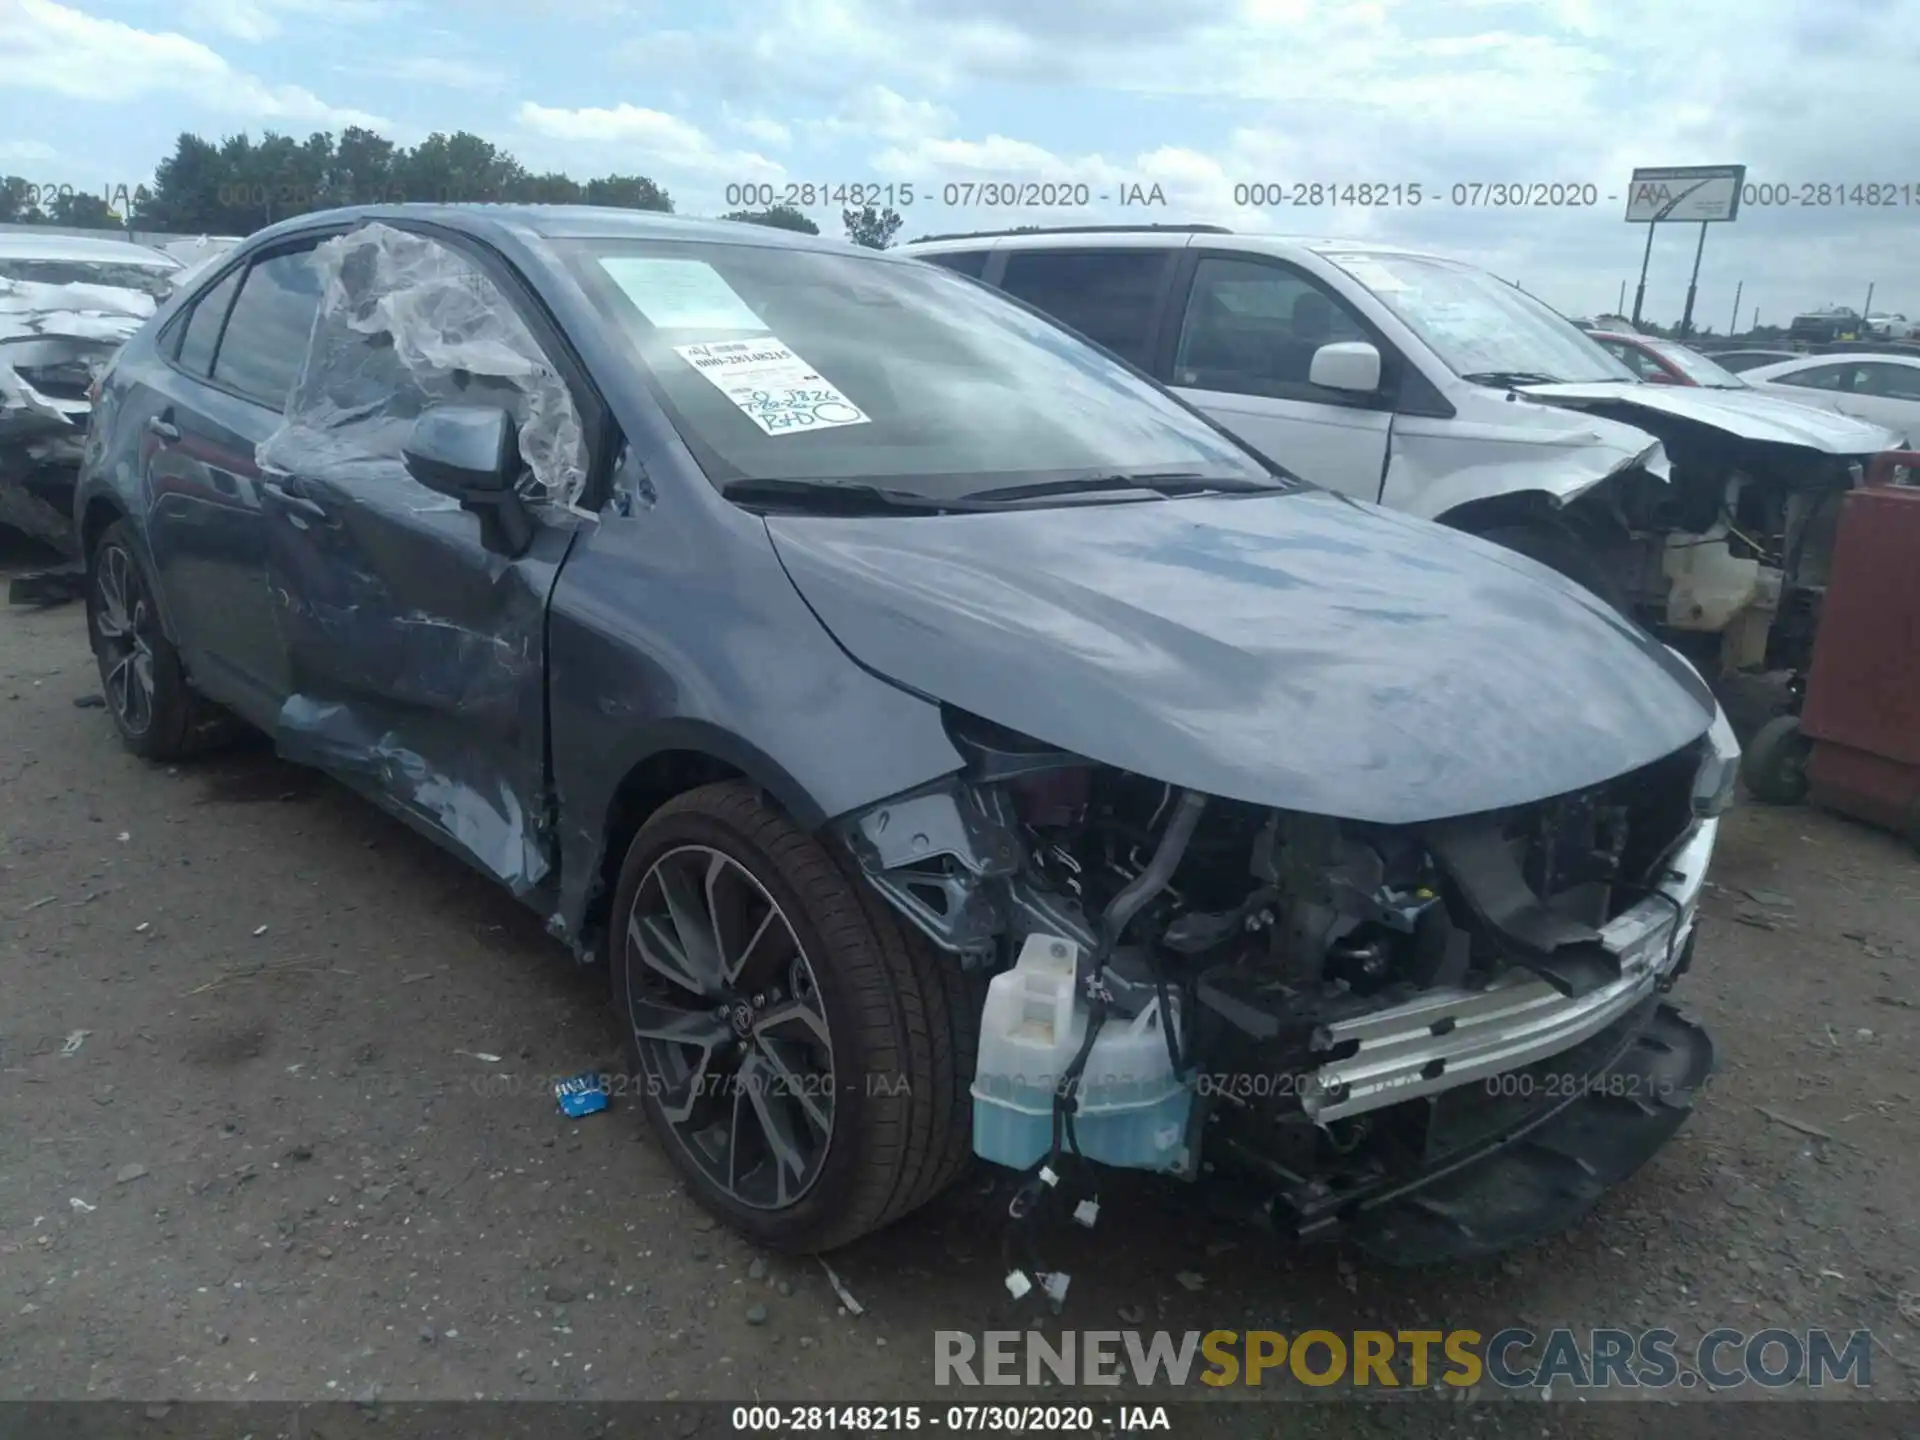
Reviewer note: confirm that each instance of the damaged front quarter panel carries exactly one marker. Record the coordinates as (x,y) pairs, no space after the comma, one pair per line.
(1435,466)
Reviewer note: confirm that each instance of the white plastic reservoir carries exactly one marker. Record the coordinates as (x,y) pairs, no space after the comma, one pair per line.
(1132,1112)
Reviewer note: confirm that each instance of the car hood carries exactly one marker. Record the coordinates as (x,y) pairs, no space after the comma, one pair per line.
(1749,414)
(1303,651)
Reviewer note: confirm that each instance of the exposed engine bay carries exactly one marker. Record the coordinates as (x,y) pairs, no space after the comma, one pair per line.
(1729,556)
(1346,1009)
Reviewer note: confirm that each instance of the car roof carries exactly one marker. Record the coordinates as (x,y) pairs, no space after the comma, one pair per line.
(1842,357)
(90,249)
(575,222)
(1170,237)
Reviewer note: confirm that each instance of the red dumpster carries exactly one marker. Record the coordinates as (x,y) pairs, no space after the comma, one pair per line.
(1862,709)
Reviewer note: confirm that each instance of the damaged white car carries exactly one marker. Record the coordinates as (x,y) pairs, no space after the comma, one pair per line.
(67,304)
(1433,387)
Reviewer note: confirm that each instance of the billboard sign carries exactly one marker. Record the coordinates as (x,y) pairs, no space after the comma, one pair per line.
(1685,192)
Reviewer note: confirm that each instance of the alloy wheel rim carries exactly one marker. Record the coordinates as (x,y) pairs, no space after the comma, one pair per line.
(123,621)
(730,1027)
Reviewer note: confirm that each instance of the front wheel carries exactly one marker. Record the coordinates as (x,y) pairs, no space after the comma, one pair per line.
(803,1057)
(1774,763)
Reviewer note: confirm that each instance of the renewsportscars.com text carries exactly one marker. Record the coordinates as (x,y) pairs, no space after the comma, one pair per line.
(1514,1358)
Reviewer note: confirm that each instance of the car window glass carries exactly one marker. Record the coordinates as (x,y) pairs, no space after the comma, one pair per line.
(863,370)
(1633,357)
(1816,377)
(1477,324)
(967,262)
(408,323)
(202,331)
(1896,382)
(1108,296)
(266,335)
(1252,329)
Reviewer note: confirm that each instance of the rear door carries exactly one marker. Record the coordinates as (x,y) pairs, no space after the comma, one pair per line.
(1887,392)
(418,656)
(1821,385)
(1247,331)
(231,360)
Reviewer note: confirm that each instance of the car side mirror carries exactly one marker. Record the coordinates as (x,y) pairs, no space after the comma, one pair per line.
(1350,365)
(469,452)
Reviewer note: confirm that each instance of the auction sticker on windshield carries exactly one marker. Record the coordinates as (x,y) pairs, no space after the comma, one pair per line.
(680,294)
(772,386)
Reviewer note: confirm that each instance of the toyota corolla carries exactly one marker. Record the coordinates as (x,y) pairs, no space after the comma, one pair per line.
(951,743)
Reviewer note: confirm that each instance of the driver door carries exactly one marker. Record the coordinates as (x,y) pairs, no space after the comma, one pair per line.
(417,655)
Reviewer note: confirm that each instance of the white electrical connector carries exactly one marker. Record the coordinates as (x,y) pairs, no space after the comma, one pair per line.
(1047,1177)
(1086,1212)
(1018,1285)
(1055,1284)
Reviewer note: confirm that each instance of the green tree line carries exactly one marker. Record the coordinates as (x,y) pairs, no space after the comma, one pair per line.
(238,185)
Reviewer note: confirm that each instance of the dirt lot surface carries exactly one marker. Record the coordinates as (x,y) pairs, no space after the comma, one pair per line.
(276,1126)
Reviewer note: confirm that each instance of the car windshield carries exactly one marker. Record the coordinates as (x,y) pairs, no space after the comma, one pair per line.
(807,368)
(156,280)
(1696,367)
(1481,327)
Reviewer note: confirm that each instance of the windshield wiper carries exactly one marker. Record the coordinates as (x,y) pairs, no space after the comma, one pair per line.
(1511,377)
(834,498)
(1164,482)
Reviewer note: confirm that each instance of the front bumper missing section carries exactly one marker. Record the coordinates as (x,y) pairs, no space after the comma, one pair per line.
(1449,1038)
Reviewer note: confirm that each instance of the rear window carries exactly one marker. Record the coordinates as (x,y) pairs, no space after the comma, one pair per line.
(202,331)
(961,262)
(795,364)
(266,335)
(1109,296)
(154,280)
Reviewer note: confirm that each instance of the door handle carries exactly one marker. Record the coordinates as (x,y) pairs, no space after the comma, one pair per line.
(165,429)
(295,504)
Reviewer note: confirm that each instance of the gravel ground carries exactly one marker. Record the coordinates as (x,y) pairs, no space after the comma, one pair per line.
(276,1127)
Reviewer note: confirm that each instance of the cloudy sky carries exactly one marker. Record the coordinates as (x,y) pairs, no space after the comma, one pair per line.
(1196,97)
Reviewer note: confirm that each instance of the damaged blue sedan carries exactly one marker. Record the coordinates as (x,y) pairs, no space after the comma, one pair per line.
(953,744)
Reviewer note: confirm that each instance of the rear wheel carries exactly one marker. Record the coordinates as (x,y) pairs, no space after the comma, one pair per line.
(802,1056)
(158,714)
(1559,548)
(1774,763)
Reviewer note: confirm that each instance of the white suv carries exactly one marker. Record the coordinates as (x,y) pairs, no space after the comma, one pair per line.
(1431,386)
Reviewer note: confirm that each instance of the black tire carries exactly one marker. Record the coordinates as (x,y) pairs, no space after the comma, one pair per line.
(903,1023)
(158,713)
(1559,548)
(1774,763)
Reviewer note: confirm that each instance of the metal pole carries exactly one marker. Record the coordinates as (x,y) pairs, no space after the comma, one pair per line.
(1733,325)
(1621,303)
(1686,318)
(1640,295)
(1868,310)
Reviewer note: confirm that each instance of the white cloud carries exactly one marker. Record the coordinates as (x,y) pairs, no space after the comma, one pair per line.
(759,127)
(876,113)
(26,152)
(51,47)
(259,20)
(649,138)
(437,70)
